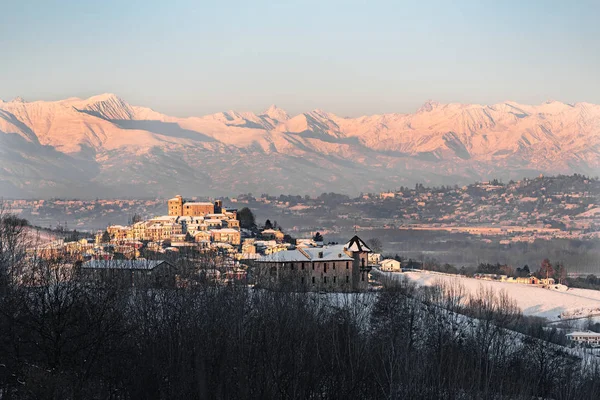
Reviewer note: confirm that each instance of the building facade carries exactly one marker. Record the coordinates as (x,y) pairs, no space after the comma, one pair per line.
(178,207)
(338,268)
(587,338)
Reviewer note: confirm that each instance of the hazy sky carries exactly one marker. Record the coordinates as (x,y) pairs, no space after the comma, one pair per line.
(348,57)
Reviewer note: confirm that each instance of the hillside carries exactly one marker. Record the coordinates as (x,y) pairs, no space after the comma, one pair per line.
(532,300)
(103,146)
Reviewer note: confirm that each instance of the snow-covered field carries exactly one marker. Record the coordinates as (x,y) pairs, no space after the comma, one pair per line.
(532,300)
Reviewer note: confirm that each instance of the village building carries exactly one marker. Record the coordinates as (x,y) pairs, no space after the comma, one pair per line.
(226,235)
(588,338)
(118,232)
(390,265)
(130,273)
(272,234)
(343,268)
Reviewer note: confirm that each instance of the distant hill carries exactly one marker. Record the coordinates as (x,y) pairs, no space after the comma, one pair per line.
(103,146)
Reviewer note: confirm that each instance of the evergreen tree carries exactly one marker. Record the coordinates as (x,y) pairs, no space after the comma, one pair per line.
(246,218)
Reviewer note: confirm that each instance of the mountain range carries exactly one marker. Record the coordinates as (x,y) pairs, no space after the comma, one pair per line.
(104,147)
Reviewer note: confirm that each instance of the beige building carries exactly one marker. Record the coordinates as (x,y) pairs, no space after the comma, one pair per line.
(226,235)
(177,206)
(118,232)
(390,265)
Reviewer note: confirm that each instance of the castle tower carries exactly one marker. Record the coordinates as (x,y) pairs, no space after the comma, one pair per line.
(176,206)
(360,267)
(218,207)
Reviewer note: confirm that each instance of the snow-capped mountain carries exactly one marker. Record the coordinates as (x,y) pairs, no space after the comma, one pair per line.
(103,146)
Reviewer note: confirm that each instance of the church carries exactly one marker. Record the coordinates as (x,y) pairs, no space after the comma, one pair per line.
(334,268)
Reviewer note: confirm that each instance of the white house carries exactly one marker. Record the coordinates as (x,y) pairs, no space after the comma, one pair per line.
(587,337)
(390,265)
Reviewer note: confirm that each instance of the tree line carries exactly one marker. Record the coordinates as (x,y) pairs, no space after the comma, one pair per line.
(63,338)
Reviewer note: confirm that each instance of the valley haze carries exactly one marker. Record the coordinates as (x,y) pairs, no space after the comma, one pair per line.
(103,146)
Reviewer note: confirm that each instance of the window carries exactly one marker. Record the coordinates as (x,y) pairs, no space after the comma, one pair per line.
(302,265)
(302,280)
(347,264)
(362,276)
(363,262)
(333,265)
(334,279)
(325,267)
(313,280)
(292,266)
(347,279)
(313,266)
(324,279)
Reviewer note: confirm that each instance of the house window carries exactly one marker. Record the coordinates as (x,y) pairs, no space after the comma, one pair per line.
(302,265)
(325,267)
(363,262)
(347,279)
(347,264)
(334,279)
(292,266)
(333,265)
(313,279)
(302,280)
(313,266)
(362,276)
(324,279)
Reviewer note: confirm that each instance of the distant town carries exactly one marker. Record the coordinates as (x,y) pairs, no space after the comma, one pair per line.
(497,215)
(525,210)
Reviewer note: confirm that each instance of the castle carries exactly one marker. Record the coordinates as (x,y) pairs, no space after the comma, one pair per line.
(178,207)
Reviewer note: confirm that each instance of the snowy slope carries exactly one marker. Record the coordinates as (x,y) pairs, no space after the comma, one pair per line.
(532,300)
(124,147)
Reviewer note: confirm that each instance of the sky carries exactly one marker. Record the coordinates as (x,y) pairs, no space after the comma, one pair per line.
(352,58)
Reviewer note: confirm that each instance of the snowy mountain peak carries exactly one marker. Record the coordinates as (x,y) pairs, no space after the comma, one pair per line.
(276,113)
(428,106)
(105,141)
(18,99)
(108,106)
(103,97)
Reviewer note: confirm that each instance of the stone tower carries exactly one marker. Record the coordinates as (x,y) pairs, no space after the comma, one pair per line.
(176,206)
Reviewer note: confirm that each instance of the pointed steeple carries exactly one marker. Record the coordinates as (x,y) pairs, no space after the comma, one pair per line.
(357,244)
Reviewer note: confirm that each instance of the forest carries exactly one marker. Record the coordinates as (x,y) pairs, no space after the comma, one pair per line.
(63,338)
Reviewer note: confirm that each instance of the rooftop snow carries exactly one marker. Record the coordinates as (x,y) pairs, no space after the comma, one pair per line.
(329,253)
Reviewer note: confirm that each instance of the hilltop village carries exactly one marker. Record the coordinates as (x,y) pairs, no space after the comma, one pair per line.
(193,231)
(188,225)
